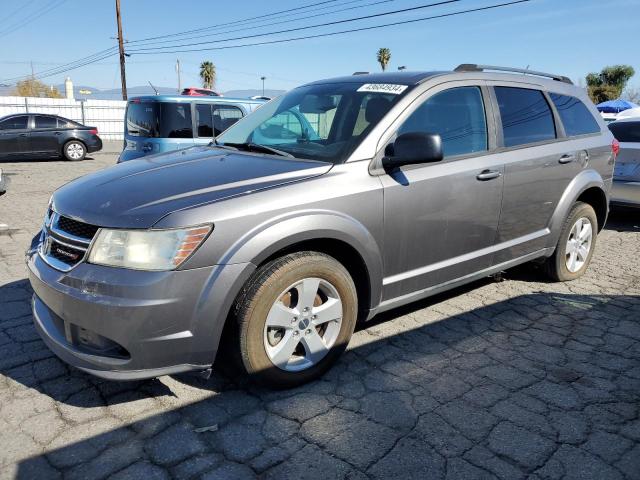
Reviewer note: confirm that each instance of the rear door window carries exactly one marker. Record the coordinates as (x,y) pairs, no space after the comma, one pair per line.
(45,122)
(626,131)
(14,123)
(526,116)
(457,115)
(175,120)
(224,116)
(143,119)
(204,121)
(575,115)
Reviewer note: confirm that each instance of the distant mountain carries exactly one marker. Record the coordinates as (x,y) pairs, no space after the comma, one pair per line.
(79,92)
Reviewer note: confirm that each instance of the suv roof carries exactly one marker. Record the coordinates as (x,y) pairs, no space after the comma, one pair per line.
(415,78)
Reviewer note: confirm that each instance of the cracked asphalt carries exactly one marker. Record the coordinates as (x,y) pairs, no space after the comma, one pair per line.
(512,379)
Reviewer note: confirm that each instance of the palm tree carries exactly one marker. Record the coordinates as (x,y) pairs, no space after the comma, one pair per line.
(208,74)
(384,55)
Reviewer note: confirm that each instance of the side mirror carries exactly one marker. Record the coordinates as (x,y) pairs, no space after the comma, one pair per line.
(414,147)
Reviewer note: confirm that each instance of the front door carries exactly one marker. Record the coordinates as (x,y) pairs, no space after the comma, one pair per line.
(441,219)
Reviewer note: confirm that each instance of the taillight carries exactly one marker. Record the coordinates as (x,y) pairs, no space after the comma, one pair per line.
(93,131)
(615,147)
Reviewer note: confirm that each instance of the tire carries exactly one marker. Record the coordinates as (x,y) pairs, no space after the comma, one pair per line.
(74,151)
(559,266)
(270,318)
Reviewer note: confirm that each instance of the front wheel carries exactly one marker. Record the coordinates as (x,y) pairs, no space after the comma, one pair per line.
(74,151)
(575,246)
(294,318)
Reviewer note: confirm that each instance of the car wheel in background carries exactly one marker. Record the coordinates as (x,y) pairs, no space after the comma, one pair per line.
(576,244)
(294,318)
(74,150)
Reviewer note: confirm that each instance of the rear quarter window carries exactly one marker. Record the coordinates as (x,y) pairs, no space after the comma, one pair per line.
(626,131)
(575,116)
(526,116)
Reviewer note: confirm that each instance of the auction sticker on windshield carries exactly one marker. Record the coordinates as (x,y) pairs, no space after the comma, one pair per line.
(383,88)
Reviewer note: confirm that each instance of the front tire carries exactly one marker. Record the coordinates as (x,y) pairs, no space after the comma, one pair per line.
(74,151)
(575,246)
(294,319)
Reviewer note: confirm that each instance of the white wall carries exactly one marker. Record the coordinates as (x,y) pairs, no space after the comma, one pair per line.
(106,115)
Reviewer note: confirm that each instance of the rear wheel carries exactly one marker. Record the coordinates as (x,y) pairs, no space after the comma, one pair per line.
(575,246)
(74,151)
(294,318)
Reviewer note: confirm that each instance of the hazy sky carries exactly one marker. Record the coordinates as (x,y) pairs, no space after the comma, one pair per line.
(571,37)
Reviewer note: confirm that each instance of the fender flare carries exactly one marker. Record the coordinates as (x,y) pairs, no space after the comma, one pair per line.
(583,181)
(281,232)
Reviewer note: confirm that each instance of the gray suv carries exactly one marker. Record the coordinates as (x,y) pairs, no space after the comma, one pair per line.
(339,200)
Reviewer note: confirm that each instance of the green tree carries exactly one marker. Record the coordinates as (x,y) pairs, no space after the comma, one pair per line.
(384,55)
(208,74)
(609,83)
(35,88)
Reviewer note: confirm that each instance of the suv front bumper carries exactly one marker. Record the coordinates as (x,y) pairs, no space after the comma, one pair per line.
(126,324)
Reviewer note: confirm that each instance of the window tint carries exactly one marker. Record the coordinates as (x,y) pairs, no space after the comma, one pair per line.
(66,123)
(175,120)
(457,115)
(143,119)
(14,123)
(45,122)
(224,116)
(625,131)
(204,120)
(526,116)
(575,116)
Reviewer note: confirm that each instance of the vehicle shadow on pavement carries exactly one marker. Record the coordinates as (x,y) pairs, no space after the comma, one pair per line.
(544,382)
(624,220)
(40,160)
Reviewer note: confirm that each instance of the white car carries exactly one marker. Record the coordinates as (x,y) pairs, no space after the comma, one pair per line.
(626,175)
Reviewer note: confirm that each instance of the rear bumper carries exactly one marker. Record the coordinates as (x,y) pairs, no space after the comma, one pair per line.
(94,145)
(624,193)
(125,325)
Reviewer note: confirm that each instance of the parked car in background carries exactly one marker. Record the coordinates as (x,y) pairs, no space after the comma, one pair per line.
(264,256)
(626,176)
(46,136)
(162,123)
(200,92)
(3,183)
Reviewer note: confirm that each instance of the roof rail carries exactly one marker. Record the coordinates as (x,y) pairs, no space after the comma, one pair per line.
(472,67)
(360,73)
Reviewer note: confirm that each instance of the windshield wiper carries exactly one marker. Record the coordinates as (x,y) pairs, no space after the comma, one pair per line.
(256,147)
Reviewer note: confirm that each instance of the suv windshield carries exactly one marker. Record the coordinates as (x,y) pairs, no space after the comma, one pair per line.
(320,122)
(159,120)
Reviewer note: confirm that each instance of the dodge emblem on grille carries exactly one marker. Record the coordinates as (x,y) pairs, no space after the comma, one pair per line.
(72,256)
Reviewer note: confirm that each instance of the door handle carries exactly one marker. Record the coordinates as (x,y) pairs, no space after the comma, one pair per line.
(567,158)
(58,133)
(488,175)
(22,135)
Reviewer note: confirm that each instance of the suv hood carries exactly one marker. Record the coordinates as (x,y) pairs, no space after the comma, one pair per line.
(138,193)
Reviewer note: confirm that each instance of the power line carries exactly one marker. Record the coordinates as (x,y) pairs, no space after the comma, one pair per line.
(370,4)
(306,37)
(20,9)
(46,10)
(186,32)
(326,24)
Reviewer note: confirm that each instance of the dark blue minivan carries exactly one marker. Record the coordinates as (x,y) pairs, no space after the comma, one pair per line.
(162,123)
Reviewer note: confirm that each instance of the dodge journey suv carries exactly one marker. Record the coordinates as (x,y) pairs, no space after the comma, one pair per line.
(339,200)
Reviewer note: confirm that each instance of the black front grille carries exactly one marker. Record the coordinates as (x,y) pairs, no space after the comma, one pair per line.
(78,229)
(65,254)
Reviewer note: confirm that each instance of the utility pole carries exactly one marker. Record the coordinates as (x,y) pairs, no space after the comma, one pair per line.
(123,77)
(178,71)
(263,79)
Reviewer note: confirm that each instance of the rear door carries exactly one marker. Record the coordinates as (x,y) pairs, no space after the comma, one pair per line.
(14,136)
(44,138)
(539,164)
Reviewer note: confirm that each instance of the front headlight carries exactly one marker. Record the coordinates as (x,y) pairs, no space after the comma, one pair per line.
(146,249)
